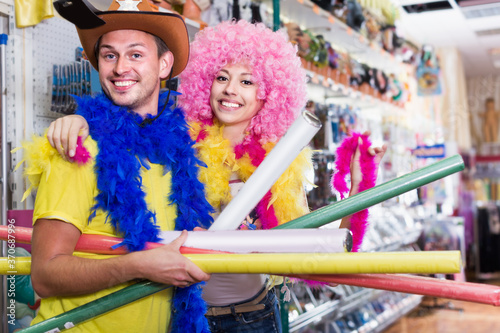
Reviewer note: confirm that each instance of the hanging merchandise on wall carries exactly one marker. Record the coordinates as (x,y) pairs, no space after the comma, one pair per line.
(354,17)
(30,13)
(226,10)
(397,90)
(360,73)
(391,41)
(328,66)
(371,28)
(339,122)
(77,78)
(429,73)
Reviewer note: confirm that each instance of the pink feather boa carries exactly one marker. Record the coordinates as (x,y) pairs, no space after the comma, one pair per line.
(82,155)
(345,152)
(257,153)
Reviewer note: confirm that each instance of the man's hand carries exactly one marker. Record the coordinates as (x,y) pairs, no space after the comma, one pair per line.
(63,134)
(55,269)
(167,265)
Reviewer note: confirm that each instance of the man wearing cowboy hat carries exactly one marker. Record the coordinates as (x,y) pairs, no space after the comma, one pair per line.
(141,177)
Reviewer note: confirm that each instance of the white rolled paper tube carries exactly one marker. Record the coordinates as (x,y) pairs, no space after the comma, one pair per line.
(267,241)
(276,162)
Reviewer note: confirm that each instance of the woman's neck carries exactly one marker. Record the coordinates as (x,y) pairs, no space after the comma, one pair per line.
(234,133)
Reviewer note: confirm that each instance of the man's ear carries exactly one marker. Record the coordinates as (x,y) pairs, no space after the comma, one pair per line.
(166,63)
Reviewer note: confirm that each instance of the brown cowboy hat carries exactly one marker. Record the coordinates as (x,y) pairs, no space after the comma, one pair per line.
(91,24)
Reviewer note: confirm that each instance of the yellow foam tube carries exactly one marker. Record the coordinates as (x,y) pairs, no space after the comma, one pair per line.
(15,266)
(426,262)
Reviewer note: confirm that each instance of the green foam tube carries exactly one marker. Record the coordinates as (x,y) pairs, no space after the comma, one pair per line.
(377,194)
(97,307)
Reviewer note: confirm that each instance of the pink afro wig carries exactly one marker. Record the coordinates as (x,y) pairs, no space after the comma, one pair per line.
(275,65)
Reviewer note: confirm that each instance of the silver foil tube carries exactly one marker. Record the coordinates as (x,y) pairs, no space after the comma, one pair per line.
(267,241)
(276,162)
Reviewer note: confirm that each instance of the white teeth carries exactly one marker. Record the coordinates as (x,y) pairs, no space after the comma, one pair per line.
(124,83)
(230,105)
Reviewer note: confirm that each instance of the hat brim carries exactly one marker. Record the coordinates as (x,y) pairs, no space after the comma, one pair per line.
(170,27)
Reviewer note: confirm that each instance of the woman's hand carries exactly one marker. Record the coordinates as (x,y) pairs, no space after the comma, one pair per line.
(357,175)
(63,134)
(355,167)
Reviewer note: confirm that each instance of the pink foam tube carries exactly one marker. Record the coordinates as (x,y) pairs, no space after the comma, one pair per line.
(420,285)
(98,244)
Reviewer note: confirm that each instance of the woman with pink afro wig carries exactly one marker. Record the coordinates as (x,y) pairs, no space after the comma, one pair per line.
(242,89)
(276,69)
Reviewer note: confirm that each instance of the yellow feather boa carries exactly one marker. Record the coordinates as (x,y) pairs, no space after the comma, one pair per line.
(288,196)
(38,155)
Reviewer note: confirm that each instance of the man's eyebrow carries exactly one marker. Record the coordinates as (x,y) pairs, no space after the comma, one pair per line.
(108,46)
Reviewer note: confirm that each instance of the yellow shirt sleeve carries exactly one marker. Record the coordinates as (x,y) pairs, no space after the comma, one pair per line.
(67,190)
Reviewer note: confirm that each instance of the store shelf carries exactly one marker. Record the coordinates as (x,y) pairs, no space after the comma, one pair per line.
(339,88)
(329,309)
(374,310)
(310,16)
(406,305)
(6,7)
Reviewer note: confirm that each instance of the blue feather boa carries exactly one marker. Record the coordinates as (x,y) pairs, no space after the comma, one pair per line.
(124,147)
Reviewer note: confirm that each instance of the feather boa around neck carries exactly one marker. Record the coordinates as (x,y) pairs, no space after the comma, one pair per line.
(124,147)
(345,152)
(285,200)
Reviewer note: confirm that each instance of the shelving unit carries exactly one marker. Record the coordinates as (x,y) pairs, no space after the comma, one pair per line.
(338,309)
(325,309)
(330,79)
(487,169)
(310,16)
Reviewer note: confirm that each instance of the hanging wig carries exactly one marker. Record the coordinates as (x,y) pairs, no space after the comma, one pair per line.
(276,68)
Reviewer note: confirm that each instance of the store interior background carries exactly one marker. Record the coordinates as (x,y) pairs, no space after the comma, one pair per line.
(460,212)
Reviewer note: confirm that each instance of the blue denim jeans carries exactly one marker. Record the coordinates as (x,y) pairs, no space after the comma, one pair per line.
(266,320)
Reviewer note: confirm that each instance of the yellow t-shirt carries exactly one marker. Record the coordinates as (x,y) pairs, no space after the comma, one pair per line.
(66,192)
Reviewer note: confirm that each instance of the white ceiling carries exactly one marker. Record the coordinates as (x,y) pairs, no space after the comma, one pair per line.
(451,28)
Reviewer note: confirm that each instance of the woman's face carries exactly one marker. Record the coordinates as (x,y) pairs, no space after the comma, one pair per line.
(233,96)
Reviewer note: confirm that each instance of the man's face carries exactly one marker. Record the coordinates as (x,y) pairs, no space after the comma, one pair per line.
(130,70)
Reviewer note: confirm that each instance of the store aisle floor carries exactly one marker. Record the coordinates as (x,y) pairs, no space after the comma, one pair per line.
(462,317)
